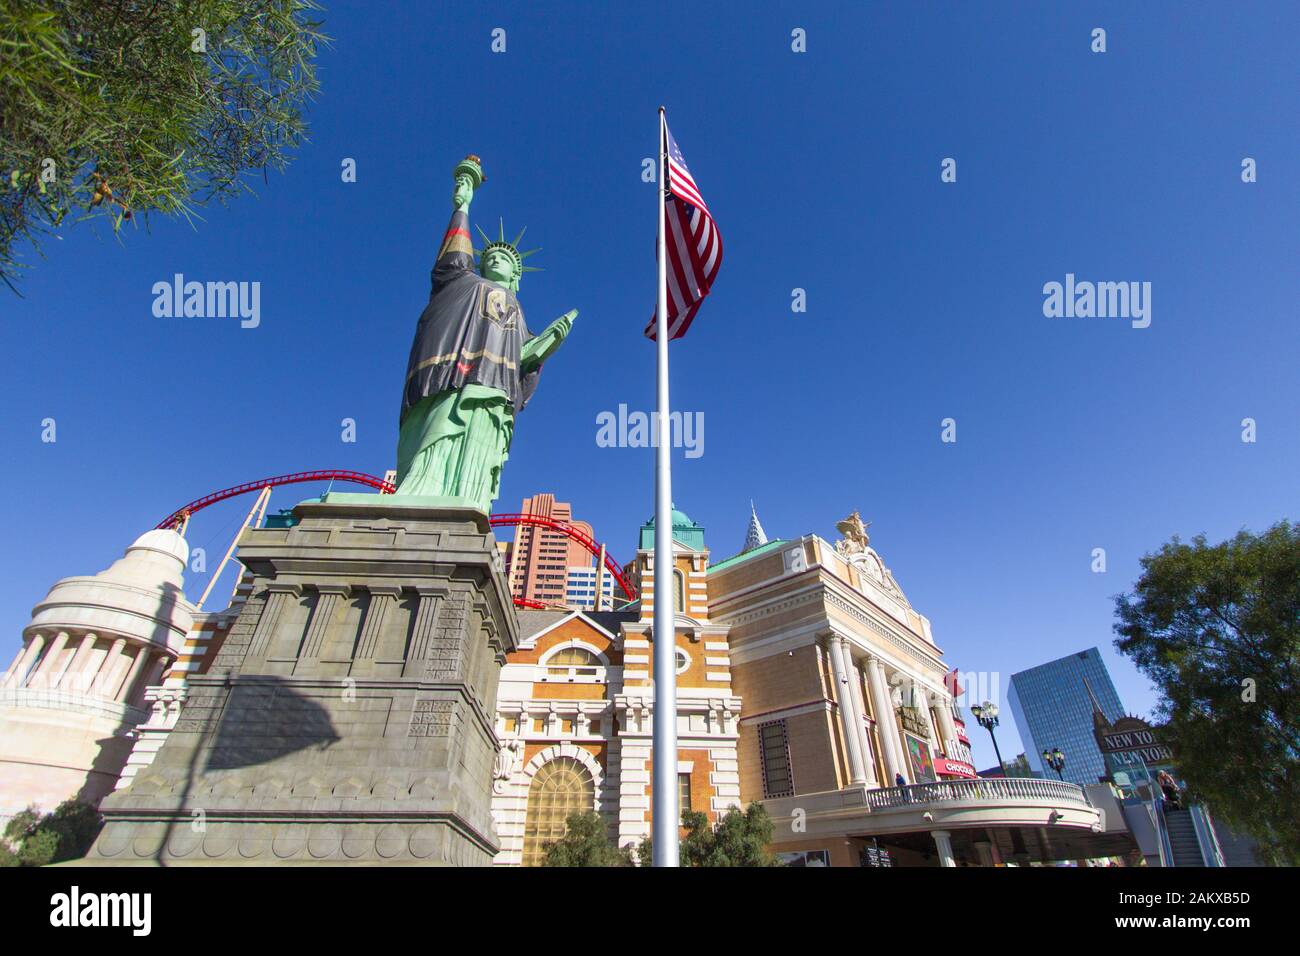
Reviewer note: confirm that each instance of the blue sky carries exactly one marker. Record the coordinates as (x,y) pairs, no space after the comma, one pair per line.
(822,170)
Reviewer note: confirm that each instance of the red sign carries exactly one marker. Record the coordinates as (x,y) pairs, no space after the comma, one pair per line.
(947,767)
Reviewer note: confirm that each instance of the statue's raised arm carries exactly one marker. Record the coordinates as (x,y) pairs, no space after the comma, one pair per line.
(469,177)
(456,254)
(473,364)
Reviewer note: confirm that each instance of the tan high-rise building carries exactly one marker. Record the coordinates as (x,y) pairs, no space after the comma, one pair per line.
(541,557)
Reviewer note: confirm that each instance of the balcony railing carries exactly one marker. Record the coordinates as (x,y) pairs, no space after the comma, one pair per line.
(992,789)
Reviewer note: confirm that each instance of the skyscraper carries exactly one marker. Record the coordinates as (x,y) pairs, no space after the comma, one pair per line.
(1053,707)
(542,558)
(580,590)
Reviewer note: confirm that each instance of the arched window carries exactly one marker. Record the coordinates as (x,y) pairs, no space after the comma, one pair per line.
(561,787)
(679,591)
(572,662)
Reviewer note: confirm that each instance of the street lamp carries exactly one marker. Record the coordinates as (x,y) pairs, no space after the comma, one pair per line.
(987,715)
(1056,760)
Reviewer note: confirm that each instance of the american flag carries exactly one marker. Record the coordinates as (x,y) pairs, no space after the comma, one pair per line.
(694,245)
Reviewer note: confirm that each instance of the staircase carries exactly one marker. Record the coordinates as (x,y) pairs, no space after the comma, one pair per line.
(1182,838)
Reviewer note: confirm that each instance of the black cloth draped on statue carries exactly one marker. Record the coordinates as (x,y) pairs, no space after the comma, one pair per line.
(471,331)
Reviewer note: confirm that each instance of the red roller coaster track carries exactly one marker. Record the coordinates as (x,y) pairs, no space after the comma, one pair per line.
(198,504)
(584,539)
(384,487)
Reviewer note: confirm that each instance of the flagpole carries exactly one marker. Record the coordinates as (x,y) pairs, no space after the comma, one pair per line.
(664,755)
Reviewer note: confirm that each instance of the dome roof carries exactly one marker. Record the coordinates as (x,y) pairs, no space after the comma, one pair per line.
(139,597)
(166,540)
(685,531)
(680,520)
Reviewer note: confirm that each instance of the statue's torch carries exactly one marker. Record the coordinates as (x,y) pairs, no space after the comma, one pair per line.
(472,167)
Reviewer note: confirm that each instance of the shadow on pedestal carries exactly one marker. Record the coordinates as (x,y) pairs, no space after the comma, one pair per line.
(348,716)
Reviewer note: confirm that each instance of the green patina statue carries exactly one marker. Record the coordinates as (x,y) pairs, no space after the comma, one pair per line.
(473,365)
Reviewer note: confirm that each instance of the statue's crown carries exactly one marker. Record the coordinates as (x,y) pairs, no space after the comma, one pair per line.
(510,248)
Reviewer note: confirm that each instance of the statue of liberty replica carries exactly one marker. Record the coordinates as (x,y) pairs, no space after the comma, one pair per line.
(474,365)
(348,716)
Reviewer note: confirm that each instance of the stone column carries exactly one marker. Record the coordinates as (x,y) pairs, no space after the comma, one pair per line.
(936,734)
(422,632)
(104,684)
(34,646)
(382,598)
(844,698)
(46,669)
(158,670)
(13,665)
(279,595)
(942,840)
(984,850)
(321,616)
(76,667)
(946,725)
(884,719)
(900,747)
(859,716)
(153,677)
(128,682)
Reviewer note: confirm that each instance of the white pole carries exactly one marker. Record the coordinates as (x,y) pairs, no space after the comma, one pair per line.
(261,496)
(600,580)
(265,498)
(664,801)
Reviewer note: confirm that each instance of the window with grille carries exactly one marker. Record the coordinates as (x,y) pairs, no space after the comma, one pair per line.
(572,663)
(774,746)
(561,787)
(683,792)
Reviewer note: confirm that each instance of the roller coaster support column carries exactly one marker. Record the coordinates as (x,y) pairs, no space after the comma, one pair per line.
(263,496)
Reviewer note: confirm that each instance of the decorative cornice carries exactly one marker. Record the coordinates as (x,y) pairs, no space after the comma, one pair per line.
(905,645)
(822,591)
(127,715)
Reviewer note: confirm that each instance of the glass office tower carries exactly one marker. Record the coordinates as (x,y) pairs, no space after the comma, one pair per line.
(1053,708)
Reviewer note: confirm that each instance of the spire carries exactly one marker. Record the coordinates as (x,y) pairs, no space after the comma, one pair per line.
(1098,717)
(755,537)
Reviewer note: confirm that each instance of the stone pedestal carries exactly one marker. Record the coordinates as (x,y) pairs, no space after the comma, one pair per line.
(348,717)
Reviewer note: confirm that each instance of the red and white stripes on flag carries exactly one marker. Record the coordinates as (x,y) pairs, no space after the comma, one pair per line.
(694,245)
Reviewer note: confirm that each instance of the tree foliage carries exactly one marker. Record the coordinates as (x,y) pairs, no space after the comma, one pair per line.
(739,838)
(585,843)
(1217,628)
(31,839)
(119,108)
